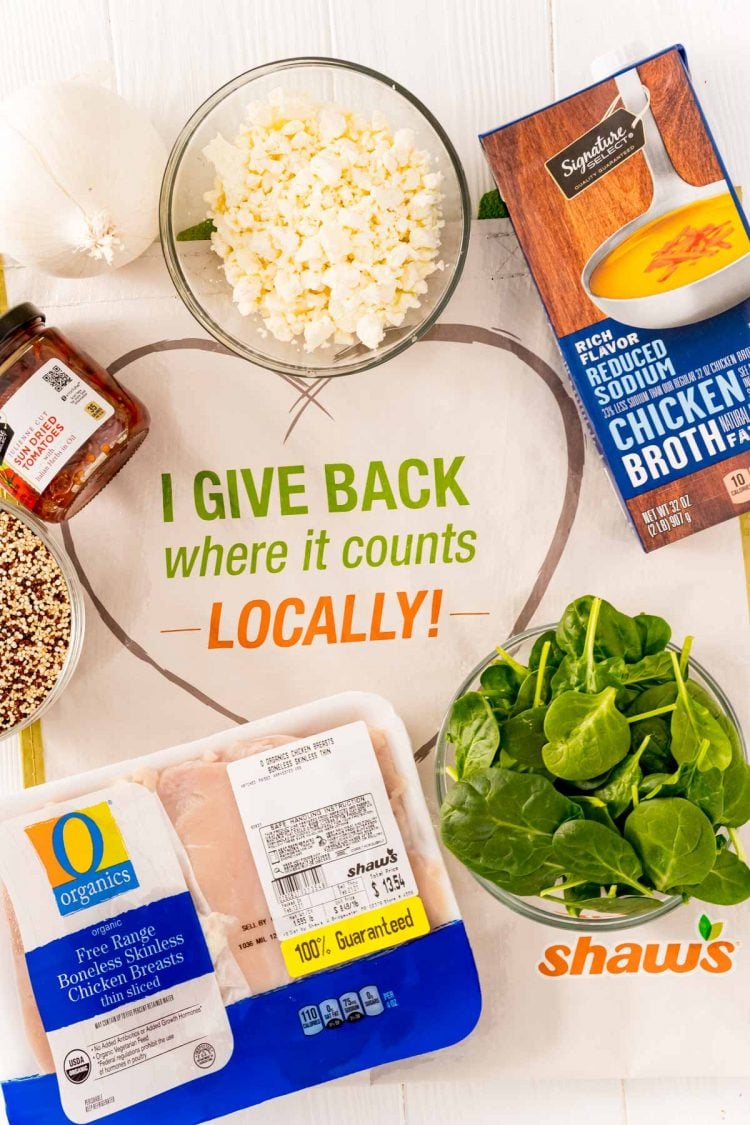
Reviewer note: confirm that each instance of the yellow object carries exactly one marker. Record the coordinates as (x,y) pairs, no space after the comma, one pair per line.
(355,937)
(744,522)
(32,755)
(89,843)
(674,250)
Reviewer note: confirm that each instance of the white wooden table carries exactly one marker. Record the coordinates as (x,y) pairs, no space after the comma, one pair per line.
(476,64)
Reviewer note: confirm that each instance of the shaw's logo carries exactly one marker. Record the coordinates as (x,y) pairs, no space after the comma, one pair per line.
(85,857)
(587,958)
(374,864)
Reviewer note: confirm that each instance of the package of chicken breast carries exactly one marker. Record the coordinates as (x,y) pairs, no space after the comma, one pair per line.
(194,932)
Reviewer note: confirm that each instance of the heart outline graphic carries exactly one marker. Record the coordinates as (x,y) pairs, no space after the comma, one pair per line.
(309,392)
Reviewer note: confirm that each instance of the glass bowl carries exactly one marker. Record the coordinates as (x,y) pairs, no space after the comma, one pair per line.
(197,271)
(77,616)
(536,908)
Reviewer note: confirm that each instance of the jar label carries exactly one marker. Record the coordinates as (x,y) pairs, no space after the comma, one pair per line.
(51,416)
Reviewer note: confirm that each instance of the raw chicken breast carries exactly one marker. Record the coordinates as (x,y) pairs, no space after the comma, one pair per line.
(199,800)
(32,1021)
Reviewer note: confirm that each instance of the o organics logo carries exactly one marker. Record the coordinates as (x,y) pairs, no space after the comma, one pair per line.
(590,959)
(85,857)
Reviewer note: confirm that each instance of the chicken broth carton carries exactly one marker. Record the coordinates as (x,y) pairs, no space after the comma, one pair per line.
(217,924)
(640,250)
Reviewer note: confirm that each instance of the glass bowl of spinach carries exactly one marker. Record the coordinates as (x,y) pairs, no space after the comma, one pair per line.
(592,775)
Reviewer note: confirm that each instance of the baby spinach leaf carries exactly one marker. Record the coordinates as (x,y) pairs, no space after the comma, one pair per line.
(500,823)
(617,793)
(530,690)
(654,781)
(554,655)
(727,883)
(595,809)
(696,734)
(198,233)
(522,736)
(653,669)
(535,881)
(473,730)
(616,633)
(654,632)
(674,839)
(587,850)
(499,683)
(706,790)
(736,810)
(656,758)
(587,735)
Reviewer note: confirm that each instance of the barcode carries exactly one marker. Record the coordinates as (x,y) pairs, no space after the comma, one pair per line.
(135,1011)
(309,880)
(57,378)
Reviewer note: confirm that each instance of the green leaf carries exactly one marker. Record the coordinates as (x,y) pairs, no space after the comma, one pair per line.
(704,927)
(696,734)
(617,794)
(491,206)
(530,689)
(199,233)
(726,884)
(674,839)
(587,735)
(500,824)
(522,736)
(594,809)
(500,684)
(616,633)
(587,850)
(554,655)
(655,633)
(473,730)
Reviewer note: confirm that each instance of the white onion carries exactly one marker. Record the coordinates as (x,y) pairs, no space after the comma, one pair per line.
(80,171)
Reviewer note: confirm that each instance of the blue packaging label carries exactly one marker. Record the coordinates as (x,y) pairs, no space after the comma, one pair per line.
(132,956)
(406,1001)
(664,404)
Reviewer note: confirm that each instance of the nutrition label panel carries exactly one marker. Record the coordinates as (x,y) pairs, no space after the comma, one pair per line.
(330,854)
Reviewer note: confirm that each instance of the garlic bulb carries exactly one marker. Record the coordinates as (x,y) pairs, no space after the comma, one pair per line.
(80,171)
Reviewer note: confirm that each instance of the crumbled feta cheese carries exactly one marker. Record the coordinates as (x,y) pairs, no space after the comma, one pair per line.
(328,224)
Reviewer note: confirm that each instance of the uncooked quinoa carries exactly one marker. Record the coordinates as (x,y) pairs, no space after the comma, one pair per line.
(34,621)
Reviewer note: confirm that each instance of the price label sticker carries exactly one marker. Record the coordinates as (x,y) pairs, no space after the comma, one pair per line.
(330,855)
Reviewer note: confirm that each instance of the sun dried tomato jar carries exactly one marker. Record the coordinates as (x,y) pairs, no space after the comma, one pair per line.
(66,426)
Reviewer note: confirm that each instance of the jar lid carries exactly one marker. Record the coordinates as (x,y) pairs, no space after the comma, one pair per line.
(18,317)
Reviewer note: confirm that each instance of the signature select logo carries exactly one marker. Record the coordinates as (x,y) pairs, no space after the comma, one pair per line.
(592,959)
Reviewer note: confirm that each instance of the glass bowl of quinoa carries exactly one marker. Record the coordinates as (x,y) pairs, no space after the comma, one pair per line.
(327,217)
(41,620)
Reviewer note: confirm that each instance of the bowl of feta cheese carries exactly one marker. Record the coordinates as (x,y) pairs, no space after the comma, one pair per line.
(314,217)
